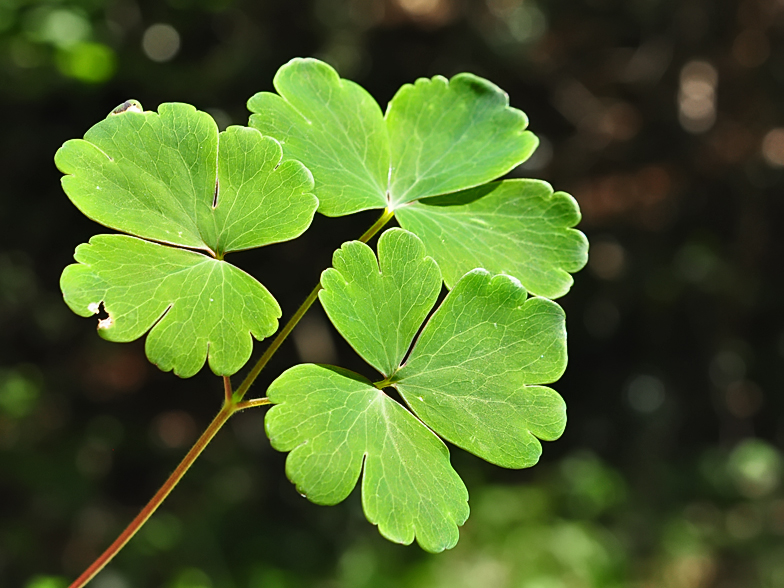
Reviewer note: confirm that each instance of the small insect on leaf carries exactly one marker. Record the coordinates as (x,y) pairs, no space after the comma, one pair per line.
(127,106)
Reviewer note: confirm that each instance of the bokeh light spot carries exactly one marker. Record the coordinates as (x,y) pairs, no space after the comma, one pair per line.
(313,341)
(419,7)
(192,578)
(697,96)
(773,147)
(47,582)
(433,12)
(161,42)
(646,393)
(110,579)
(743,522)
(19,393)
(163,531)
(607,260)
(743,399)
(92,63)
(64,28)
(174,429)
(751,48)
(756,468)
(539,160)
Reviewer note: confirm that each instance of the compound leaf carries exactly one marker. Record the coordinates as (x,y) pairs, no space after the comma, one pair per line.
(161,176)
(335,424)
(379,311)
(428,159)
(437,136)
(197,306)
(472,375)
(169,176)
(515,227)
(475,373)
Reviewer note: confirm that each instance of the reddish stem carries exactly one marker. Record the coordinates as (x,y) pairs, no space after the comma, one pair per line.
(251,403)
(233,403)
(227,389)
(156,500)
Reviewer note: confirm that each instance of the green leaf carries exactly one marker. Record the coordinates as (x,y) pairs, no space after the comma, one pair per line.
(260,200)
(448,135)
(475,374)
(472,375)
(197,306)
(171,177)
(379,311)
(146,174)
(438,136)
(335,424)
(333,126)
(515,227)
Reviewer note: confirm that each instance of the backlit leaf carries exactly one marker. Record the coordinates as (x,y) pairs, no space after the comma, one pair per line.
(196,305)
(437,136)
(172,178)
(472,375)
(377,310)
(429,159)
(515,227)
(448,135)
(337,425)
(333,126)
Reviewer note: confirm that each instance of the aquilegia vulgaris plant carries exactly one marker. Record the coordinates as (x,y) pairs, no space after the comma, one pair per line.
(472,371)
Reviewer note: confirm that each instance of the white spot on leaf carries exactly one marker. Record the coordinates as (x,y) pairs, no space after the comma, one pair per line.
(105,323)
(93,307)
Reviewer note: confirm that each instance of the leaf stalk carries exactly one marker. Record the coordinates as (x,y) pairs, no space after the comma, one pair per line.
(297,316)
(232,403)
(220,419)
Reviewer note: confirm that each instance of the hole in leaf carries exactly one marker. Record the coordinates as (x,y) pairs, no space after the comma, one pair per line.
(105,320)
(215,197)
(102,314)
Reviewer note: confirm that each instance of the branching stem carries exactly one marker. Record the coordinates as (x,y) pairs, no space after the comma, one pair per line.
(251,403)
(284,332)
(232,403)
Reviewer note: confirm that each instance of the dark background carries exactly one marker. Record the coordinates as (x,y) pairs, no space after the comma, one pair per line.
(662,117)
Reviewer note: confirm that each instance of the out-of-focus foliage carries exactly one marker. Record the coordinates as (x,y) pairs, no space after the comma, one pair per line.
(662,118)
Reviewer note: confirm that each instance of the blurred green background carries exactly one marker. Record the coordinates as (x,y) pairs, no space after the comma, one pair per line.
(664,118)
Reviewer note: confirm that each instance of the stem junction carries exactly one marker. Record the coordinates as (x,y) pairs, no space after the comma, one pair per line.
(232,402)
